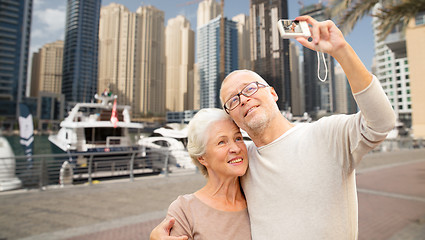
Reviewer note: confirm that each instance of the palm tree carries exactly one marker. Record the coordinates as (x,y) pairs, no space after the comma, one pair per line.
(390,14)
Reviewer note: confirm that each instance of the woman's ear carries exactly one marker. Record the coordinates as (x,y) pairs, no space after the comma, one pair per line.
(202,161)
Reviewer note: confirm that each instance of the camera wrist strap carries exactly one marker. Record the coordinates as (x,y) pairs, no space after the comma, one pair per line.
(318,67)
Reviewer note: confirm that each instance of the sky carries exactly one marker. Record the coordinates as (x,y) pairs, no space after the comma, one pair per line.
(48,21)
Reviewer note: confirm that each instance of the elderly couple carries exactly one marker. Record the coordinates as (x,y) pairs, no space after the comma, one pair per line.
(300,183)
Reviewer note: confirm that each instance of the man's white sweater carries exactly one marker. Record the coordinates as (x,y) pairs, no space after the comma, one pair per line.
(302,185)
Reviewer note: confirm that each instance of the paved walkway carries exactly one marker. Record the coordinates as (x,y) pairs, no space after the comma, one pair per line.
(391,194)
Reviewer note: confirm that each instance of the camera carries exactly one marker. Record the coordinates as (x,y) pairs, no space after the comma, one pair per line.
(293,28)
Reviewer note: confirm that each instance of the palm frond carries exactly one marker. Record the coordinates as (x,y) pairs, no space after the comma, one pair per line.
(348,19)
(393,15)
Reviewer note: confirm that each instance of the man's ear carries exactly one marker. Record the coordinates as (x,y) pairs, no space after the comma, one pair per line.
(201,160)
(274,94)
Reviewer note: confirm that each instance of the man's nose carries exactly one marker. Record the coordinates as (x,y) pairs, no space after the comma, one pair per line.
(244,99)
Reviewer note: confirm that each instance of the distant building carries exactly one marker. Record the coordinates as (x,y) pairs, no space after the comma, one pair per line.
(344,100)
(117,30)
(180,58)
(80,56)
(46,75)
(415,35)
(319,96)
(392,70)
(297,83)
(15,27)
(269,52)
(208,56)
(244,42)
(149,84)
(207,10)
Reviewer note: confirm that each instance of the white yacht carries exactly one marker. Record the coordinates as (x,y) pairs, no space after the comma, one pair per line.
(95,127)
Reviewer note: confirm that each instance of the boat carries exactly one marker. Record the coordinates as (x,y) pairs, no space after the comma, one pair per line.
(177,153)
(8,179)
(96,127)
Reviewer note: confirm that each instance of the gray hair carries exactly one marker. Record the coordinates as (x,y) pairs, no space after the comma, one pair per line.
(198,133)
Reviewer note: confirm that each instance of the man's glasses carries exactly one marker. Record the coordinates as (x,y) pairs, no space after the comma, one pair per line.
(247,91)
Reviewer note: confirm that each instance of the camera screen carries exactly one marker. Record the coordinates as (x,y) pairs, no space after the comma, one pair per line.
(292,26)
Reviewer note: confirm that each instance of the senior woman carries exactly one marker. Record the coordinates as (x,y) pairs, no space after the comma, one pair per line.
(218,210)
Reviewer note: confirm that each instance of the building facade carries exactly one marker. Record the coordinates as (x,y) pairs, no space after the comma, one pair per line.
(208,55)
(392,70)
(80,57)
(207,10)
(297,83)
(344,100)
(117,28)
(244,41)
(415,35)
(319,96)
(15,27)
(46,75)
(269,52)
(180,58)
(149,62)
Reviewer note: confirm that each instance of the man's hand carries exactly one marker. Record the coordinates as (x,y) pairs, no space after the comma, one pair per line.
(326,36)
(162,231)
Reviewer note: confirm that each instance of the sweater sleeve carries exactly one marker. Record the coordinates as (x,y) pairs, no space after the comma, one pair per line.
(376,108)
(181,213)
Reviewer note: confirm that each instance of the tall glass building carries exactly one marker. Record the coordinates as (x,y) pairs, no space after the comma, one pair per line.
(80,56)
(208,55)
(269,52)
(15,27)
(319,96)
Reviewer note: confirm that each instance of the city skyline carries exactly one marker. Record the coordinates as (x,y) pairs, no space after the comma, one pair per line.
(361,38)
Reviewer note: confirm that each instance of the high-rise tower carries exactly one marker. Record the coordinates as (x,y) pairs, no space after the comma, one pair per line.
(319,96)
(208,56)
(80,57)
(150,62)
(180,57)
(270,53)
(46,73)
(117,40)
(15,26)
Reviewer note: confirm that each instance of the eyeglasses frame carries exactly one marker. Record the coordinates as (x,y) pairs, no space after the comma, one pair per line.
(259,85)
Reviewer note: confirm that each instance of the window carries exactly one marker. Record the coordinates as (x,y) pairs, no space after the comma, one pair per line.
(420,19)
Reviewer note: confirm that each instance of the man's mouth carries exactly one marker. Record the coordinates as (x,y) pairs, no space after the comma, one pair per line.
(250,110)
(236,161)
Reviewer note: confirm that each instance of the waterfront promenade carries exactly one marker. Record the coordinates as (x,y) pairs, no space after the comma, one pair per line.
(391,195)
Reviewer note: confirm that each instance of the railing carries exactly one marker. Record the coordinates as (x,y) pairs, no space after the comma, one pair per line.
(40,171)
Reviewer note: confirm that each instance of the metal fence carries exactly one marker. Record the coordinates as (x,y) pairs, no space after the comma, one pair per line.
(39,171)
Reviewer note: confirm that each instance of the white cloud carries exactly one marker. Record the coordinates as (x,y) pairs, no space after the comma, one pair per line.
(51,19)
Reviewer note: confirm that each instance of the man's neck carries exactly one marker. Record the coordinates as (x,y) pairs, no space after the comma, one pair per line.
(276,128)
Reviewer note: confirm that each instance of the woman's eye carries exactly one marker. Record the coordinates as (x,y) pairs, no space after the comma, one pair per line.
(239,139)
(221,142)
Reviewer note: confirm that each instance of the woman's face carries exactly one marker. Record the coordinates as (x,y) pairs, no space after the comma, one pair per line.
(226,154)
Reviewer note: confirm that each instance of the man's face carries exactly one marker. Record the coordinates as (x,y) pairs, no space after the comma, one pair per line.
(253,112)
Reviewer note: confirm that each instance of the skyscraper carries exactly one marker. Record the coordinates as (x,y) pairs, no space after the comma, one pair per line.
(392,70)
(270,53)
(80,57)
(415,35)
(47,69)
(208,56)
(117,29)
(344,100)
(207,10)
(15,27)
(180,57)
(319,96)
(297,83)
(150,62)
(244,43)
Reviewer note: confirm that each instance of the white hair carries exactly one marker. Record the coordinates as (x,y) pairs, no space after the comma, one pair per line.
(198,133)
